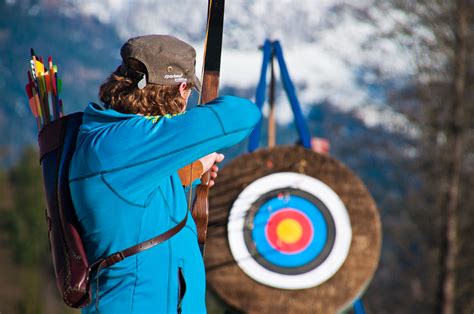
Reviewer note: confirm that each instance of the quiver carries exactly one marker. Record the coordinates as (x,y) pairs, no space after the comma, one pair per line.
(57,142)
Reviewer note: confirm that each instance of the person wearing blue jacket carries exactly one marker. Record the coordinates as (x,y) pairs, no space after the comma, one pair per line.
(124,177)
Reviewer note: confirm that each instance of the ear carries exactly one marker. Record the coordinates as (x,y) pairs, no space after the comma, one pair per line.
(182,90)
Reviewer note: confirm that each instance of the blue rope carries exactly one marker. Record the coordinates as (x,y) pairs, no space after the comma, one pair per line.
(359,307)
(301,125)
(260,96)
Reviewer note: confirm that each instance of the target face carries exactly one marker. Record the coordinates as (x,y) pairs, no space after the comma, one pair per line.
(289,231)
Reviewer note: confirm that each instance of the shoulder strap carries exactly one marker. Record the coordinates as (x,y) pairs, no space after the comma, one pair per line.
(148,244)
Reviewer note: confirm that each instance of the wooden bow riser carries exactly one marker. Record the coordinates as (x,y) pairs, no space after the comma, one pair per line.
(210,86)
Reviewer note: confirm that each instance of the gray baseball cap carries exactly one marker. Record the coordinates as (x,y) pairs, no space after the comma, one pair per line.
(167,59)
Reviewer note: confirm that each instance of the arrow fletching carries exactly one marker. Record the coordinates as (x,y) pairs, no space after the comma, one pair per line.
(43,89)
(39,68)
(60,85)
(31,100)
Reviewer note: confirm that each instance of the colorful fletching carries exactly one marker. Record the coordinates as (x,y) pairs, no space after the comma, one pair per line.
(43,89)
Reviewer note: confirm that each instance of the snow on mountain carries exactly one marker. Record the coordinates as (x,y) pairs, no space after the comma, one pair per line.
(328,46)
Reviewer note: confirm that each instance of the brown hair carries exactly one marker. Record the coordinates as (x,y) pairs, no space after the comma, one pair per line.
(122,94)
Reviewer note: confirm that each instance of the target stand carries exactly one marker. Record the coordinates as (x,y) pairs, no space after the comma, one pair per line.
(290,231)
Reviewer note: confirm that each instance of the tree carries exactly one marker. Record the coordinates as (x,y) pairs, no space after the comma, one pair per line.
(28,232)
(440,36)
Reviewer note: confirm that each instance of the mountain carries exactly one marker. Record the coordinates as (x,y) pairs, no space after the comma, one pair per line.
(325,45)
(84,49)
(329,46)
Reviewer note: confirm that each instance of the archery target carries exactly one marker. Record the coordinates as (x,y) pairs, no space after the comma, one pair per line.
(289,231)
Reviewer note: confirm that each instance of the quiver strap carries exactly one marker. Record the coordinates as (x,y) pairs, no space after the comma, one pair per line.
(57,142)
(145,245)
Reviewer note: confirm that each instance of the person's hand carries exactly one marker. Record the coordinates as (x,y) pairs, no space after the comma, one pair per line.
(209,163)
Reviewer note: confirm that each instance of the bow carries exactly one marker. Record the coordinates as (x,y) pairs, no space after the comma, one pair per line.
(210,86)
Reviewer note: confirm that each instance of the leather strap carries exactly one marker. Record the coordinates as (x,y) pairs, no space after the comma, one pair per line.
(148,244)
(120,256)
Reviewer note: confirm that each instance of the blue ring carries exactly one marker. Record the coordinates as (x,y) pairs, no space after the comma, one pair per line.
(284,259)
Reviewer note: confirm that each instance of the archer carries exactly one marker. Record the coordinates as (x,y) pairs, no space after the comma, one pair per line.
(124,175)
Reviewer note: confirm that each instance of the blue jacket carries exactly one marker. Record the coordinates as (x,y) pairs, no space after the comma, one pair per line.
(125,189)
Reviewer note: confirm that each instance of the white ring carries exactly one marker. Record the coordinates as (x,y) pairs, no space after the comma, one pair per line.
(314,277)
